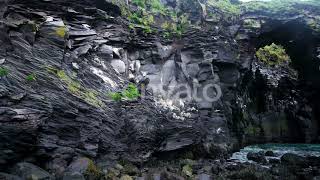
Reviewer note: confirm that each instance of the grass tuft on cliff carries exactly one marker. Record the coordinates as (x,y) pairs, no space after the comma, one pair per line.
(31,77)
(130,93)
(3,71)
(273,54)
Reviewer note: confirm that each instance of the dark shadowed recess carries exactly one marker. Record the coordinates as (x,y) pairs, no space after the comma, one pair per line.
(301,44)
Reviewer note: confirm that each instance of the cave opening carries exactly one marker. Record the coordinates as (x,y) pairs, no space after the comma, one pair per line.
(301,44)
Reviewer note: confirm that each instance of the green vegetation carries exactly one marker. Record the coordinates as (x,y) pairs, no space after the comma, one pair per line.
(130,93)
(231,10)
(282,7)
(143,19)
(273,7)
(147,10)
(122,4)
(75,88)
(92,170)
(140,3)
(115,96)
(3,71)
(272,54)
(157,7)
(61,31)
(31,77)
(174,24)
(152,5)
(277,6)
(91,97)
(187,170)
(172,29)
(225,6)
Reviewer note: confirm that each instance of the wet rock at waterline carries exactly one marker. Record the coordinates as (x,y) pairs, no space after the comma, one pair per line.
(269,153)
(257,157)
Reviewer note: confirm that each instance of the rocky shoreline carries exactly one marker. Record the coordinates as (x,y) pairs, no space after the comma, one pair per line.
(290,166)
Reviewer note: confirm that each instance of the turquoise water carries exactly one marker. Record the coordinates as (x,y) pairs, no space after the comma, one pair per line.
(279,150)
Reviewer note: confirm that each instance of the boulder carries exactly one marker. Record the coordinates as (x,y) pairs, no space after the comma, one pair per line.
(293,159)
(274,161)
(257,157)
(269,153)
(119,66)
(31,172)
(313,160)
(2,61)
(106,52)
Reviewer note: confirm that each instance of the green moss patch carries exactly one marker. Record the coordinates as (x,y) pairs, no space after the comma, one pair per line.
(3,71)
(31,77)
(61,31)
(75,88)
(92,170)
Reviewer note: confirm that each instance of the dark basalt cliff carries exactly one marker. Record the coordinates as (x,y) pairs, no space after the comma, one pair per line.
(79,50)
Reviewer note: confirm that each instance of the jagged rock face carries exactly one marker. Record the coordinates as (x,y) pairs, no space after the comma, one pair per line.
(80,51)
(64,111)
